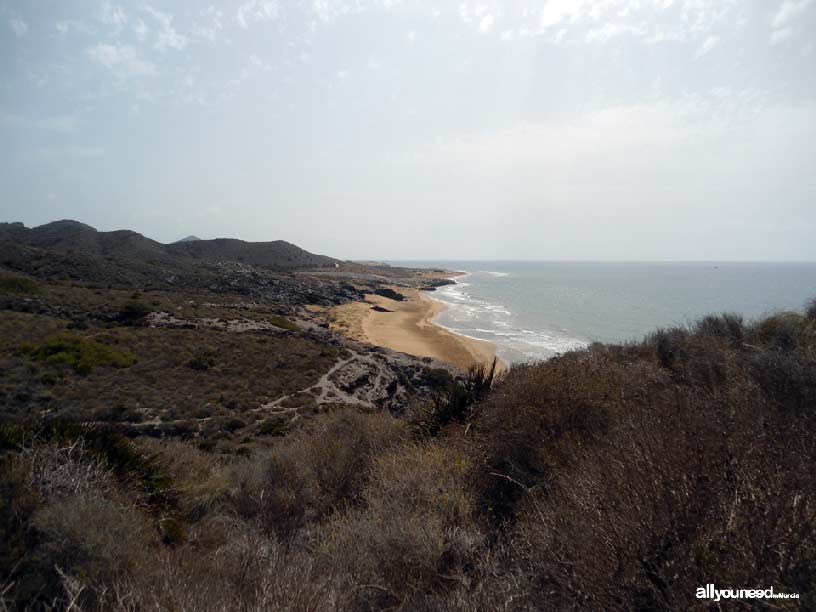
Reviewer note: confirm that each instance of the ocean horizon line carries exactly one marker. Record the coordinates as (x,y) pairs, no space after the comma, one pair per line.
(602,261)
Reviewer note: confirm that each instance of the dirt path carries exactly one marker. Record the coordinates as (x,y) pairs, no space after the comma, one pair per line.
(359,379)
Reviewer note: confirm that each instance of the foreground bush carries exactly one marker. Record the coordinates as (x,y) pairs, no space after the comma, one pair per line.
(454,401)
(626,477)
(316,472)
(414,535)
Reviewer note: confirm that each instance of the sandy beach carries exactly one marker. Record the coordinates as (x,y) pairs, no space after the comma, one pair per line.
(407,326)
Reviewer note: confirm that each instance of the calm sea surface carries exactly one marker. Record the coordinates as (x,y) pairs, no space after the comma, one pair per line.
(534,310)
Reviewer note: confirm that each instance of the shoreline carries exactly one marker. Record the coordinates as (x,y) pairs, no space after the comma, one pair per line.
(408,327)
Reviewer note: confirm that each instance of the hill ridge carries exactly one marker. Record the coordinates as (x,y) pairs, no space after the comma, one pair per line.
(75,250)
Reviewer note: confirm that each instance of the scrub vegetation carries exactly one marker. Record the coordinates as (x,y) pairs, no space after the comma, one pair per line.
(612,478)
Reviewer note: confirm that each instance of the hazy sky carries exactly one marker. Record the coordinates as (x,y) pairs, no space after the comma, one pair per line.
(616,129)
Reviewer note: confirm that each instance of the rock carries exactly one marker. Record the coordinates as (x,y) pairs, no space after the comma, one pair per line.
(389,293)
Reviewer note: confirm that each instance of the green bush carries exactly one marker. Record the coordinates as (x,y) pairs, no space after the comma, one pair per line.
(455,402)
(274,426)
(80,353)
(437,378)
(232,424)
(18,284)
(133,313)
(202,361)
(173,531)
(283,323)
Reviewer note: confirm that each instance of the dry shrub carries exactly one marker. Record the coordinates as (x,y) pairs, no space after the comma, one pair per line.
(784,331)
(250,369)
(92,538)
(85,547)
(200,480)
(810,310)
(414,536)
(787,380)
(82,525)
(61,470)
(316,471)
(247,572)
(454,401)
(674,499)
(541,416)
(18,502)
(626,484)
(668,345)
(728,326)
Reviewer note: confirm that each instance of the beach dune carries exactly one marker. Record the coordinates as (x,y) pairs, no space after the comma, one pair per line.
(407,326)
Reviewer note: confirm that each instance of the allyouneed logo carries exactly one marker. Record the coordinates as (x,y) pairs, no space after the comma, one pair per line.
(710,592)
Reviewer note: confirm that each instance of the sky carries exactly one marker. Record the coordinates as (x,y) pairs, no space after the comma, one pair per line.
(387,129)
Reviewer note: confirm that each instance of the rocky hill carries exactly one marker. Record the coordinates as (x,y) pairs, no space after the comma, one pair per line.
(73,237)
(69,250)
(280,255)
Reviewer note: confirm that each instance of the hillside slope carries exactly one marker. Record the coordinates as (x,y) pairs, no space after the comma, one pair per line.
(74,237)
(72,250)
(278,254)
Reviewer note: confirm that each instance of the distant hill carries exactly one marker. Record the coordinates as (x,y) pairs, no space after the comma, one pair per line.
(277,254)
(69,235)
(188,239)
(69,249)
(376,264)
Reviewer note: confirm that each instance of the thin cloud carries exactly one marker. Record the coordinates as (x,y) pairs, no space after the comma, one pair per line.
(167,36)
(18,26)
(556,11)
(122,60)
(63,124)
(77,25)
(780,35)
(659,125)
(140,29)
(70,152)
(486,23)
(708,44)
(258,63)
(209,31)
(113,15)
(783,20)
(611,30)
(256,11)
(790,10)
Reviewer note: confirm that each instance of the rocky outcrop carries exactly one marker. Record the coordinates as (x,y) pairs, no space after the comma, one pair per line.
(389,293)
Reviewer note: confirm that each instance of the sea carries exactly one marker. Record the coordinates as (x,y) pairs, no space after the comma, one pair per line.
(534,310)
